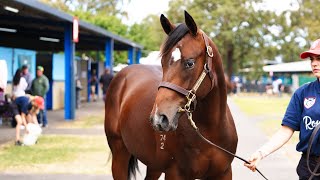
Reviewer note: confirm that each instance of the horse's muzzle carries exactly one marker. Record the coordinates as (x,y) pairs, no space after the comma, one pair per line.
(160,122)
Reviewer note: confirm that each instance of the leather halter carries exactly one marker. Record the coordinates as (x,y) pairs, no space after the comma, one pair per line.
(312,137)
(207,69)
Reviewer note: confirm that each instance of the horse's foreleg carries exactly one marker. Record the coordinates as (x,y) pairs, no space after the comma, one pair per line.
(120,160)
(152,175)
(174,173)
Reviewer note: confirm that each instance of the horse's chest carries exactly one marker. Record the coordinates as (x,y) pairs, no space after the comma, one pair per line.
(200,164)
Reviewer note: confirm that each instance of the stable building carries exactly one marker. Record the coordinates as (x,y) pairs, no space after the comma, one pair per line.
(300,72)
(33,33)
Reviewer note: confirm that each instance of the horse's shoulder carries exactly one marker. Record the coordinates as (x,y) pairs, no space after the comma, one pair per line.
(140,72)
(143,68)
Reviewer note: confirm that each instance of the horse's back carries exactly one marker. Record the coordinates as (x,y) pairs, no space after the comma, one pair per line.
(133,88)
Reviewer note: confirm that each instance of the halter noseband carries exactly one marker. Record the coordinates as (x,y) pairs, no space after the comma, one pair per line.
(191,94)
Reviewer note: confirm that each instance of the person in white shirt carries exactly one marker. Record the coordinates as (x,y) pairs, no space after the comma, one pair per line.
(21,100)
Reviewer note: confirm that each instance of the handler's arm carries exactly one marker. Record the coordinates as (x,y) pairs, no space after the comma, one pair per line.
(280,138)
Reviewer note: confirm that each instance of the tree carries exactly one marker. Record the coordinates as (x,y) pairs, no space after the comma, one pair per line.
(107,7)
(148,33)
(238,29)
(101,13)
(245,33)
(298,27)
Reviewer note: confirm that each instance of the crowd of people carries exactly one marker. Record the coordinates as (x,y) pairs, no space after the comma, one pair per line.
(27,104)
(275,86)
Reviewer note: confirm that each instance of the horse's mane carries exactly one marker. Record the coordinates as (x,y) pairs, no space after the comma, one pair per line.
(173,38)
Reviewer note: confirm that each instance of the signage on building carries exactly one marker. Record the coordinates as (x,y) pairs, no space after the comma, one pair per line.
(75,29)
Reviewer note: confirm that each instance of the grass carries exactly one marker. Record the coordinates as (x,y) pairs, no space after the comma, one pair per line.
(268,110)
(262,105)
(57,154)
(85,122)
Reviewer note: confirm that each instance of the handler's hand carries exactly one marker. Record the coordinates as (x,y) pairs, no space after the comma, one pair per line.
(254,160)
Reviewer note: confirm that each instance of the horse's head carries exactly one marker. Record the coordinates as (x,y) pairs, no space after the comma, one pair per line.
(187,63)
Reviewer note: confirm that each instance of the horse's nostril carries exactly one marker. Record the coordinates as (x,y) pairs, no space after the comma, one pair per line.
(159,127)
(164,121)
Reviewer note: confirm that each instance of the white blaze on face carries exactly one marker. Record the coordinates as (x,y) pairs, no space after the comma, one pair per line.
(176,54)
(156,116)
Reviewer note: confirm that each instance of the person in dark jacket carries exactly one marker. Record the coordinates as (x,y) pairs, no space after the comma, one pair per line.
(105,81)
(40,87)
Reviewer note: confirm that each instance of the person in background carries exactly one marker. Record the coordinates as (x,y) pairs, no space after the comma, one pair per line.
(34,105)
(21,102)
(302,115)
(4,74)
(40,87)
(93,82)
(27,76)
(104,81)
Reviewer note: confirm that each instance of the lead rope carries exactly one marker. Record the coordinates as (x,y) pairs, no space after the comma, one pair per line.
(187,110)
(313,173)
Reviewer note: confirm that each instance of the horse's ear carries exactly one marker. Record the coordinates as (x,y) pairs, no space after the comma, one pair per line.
(190,23)
(166,24)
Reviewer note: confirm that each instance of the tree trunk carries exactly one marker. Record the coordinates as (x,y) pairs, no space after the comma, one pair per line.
(230,50)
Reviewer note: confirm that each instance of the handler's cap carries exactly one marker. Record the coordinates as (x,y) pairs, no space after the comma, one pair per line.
(39,101)
(314,50)
(40,68)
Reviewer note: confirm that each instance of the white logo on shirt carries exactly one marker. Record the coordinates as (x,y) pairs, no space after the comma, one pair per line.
(309,123)
(309,102)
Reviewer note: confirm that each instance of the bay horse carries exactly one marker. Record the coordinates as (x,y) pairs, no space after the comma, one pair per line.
(147,110)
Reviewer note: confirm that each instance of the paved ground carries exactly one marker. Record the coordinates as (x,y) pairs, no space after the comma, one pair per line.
(275,167)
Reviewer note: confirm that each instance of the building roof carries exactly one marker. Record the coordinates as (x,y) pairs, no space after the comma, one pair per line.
(299,66)
(35,19)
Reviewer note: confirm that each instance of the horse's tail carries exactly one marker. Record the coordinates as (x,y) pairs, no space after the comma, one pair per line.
(132,167)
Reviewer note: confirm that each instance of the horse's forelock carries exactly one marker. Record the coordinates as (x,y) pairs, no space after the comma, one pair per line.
(173,38)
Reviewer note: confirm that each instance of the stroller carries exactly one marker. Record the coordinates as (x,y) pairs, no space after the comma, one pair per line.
(6,113)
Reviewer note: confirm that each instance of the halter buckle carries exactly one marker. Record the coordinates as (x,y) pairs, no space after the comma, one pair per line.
(191,96)
(209,51)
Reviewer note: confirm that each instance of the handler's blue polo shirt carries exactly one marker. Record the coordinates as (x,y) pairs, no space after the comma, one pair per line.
(303,114)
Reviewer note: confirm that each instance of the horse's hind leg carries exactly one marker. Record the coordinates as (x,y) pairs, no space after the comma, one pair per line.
(152,175)
(120,159)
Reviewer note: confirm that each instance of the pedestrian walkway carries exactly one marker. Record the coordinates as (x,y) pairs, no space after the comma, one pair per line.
(275,167)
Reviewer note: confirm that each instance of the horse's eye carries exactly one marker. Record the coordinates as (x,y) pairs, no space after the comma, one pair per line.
(189,63)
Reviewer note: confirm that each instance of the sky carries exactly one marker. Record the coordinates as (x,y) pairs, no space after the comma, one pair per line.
(139,9)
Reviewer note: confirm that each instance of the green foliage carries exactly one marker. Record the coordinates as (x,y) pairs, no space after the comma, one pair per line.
(107,7)
(237,28)
(245,34)
(148,33)
(102,13)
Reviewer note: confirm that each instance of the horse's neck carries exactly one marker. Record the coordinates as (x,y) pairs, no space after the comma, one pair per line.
(212,108)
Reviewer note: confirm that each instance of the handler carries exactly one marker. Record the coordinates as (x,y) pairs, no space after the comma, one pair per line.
(302,114)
